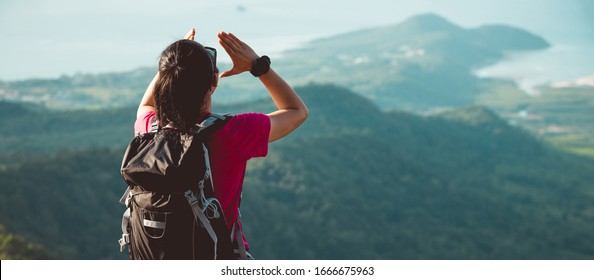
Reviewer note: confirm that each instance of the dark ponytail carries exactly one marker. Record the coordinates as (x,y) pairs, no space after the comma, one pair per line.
(185,76)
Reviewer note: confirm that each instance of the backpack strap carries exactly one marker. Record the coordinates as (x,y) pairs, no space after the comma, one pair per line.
(193,201)
(125,240)
(236,233)
(154,125)
(125,199)
(212,123)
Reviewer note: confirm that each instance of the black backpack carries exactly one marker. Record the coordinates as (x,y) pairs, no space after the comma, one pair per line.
(172,212)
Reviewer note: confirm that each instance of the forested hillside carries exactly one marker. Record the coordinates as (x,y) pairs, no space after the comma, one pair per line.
(353,183)
(14,247)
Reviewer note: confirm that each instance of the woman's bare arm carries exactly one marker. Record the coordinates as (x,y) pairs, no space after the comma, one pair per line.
(291,112)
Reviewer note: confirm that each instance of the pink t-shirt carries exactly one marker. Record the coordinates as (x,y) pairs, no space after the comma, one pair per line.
(244,137)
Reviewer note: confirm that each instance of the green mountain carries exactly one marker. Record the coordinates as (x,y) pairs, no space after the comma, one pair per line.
(43,131)
(68,202)
(353,183)
(81,91)
(421,63)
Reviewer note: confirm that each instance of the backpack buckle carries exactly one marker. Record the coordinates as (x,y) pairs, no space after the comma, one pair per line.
(123,241)
(189,194)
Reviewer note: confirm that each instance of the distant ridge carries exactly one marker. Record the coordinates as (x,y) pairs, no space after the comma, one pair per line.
(508,38)
(428,22)
(422,29)
(413,26)
(422,63)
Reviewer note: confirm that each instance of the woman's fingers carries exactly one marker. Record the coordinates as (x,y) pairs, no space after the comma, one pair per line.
(241,54)
(229,41)
(190,34)
(227,74)
(239,42)
(229,49)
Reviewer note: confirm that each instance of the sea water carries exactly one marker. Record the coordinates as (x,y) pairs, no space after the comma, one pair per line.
(558,65)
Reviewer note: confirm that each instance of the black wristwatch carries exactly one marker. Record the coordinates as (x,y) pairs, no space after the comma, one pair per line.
(260,66)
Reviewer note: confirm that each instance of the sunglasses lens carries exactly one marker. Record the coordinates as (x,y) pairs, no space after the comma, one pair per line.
(213,55)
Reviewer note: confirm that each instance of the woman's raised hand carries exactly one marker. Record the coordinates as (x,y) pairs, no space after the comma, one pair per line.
(242,55)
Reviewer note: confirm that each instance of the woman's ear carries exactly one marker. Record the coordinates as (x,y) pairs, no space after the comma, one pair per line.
(215,81)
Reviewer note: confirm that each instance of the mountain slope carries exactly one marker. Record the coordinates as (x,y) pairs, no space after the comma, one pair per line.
(561,115)
(14,247)
(67,202)
(352,183)
(408,187)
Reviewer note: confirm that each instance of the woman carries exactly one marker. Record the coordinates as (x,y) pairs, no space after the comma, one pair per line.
(180,95)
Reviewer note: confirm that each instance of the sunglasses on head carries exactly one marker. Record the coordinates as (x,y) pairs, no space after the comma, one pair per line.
(212,52)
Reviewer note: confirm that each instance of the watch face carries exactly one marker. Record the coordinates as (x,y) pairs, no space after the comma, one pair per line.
(261,66)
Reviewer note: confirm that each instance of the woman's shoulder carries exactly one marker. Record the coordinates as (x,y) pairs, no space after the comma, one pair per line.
(249,122)
(252,117)
(143,122)
(246,132)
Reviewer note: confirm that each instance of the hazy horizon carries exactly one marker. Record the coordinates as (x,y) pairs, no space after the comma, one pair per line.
(65,37)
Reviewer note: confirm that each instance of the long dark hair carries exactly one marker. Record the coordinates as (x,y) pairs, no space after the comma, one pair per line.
(186,74)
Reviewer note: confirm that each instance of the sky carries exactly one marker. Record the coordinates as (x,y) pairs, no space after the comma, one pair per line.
(47,39)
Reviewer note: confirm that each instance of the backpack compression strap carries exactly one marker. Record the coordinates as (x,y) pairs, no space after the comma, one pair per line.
(125,199)
(236,233)
(198,213)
